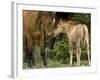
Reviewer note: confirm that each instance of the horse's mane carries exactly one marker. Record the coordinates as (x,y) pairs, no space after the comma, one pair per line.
(71,22)
(40,21)
(37,25)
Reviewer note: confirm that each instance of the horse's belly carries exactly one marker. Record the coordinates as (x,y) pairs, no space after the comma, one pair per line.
(36,35)
(75,37)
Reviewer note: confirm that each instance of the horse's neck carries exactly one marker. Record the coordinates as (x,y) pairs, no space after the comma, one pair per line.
(67,28)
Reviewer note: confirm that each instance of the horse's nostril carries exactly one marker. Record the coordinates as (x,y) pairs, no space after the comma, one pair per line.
(52,34)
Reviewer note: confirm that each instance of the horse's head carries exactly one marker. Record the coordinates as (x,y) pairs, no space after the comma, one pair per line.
(50,22)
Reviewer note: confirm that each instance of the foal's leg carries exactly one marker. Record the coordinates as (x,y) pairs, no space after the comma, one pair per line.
(71,51)
(78,52)
(78,55)
(42,50)
(88,53)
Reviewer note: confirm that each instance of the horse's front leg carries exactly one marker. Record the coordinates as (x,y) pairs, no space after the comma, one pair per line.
(31,60)
(42,50)
(30,54)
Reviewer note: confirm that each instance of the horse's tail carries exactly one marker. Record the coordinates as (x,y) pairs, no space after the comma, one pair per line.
(85,36)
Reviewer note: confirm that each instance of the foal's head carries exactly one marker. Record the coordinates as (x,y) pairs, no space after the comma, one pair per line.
(59,29)
(56,31)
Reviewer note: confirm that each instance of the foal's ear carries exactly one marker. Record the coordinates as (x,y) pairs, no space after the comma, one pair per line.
(60,22)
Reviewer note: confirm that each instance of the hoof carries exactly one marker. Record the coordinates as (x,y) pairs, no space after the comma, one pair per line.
(45,65)
(31,64)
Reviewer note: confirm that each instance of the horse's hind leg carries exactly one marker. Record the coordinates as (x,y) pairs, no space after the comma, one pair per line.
(88,53)
(42,50)
(78,52)
(78,55)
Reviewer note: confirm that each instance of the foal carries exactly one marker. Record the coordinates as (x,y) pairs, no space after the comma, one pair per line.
(77,36)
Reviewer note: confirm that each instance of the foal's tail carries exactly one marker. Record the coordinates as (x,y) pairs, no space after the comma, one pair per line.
(85,36)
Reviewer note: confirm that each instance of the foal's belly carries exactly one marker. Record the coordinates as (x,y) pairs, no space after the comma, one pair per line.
(75,37)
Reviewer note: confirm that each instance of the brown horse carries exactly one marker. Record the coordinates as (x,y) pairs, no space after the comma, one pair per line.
(36,24)
(77,36)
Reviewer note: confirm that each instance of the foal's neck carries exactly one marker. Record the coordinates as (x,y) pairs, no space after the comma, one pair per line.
(67,28)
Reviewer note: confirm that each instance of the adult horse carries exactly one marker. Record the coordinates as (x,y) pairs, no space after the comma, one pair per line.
(35,25)
(78,37)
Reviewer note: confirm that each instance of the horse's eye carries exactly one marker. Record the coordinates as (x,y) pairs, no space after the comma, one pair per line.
(50,23)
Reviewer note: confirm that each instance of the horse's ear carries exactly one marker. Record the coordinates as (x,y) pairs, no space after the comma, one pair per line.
(60,22)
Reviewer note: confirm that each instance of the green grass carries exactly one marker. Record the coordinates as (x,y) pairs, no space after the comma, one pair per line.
(53,62)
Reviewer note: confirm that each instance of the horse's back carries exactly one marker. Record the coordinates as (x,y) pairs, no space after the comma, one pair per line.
(78,33)
(82,35)
(29,20)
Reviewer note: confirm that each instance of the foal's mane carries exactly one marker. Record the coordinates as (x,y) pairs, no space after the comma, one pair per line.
(71,22)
